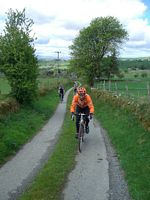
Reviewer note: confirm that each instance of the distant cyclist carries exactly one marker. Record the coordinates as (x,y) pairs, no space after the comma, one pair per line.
(82,103)
(75,88)
(61,92)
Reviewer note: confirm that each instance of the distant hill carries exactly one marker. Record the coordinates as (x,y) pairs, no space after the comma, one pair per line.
(134,63)
(47,58)
(132,59)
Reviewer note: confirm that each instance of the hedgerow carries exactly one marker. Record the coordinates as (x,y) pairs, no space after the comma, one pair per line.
(140,109)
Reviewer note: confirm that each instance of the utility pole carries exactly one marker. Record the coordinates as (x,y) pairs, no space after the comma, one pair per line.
(58,52)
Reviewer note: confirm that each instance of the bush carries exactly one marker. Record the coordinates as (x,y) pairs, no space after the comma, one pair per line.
(144,74)
(17,59)
(9,105)
(140,110)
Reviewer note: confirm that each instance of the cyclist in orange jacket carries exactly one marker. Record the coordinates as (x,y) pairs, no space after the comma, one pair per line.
(82,103)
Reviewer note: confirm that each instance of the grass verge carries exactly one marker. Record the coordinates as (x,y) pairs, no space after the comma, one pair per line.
(131,142)
(17,128)
(49,182)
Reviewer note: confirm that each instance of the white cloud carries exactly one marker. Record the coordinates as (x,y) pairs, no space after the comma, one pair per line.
(58,22)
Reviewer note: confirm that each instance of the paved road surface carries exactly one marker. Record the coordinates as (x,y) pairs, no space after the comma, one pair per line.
(96,176)
(18,172)
(90,178)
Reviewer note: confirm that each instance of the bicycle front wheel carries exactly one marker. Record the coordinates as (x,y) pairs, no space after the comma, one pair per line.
(81,138)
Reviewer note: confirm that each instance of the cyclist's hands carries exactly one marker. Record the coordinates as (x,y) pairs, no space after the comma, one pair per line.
(72,116)
(91,116)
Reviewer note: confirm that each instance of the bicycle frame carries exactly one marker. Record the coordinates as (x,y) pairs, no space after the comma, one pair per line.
(61,97)
(81,130)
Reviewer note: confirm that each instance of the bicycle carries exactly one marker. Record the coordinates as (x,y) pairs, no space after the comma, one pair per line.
(82,124)
(61,97)
(74,91)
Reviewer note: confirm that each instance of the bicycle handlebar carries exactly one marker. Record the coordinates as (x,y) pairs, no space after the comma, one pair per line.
(83,114)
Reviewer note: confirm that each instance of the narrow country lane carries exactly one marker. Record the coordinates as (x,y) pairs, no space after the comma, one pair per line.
(17,173)
(90,178)
(96,176)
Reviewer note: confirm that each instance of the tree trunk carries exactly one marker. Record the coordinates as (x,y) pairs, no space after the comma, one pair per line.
(91,82)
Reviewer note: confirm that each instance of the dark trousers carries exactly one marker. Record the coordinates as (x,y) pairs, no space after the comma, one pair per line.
(84,110)
(61,94)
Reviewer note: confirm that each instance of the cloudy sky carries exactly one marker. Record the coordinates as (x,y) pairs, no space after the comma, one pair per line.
(57,22)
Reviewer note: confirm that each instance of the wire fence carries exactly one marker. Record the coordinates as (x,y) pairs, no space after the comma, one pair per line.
(129,89)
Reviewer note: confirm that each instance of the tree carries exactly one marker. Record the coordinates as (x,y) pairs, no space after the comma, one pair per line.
(99,40)
(17,56)
(110,65)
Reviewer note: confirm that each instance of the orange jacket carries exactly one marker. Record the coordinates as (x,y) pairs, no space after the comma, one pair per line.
(87,101)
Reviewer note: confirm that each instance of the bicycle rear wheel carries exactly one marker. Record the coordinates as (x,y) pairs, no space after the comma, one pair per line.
(81,138)
(61,97)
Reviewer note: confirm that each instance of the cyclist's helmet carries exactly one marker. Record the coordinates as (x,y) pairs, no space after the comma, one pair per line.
(81,92)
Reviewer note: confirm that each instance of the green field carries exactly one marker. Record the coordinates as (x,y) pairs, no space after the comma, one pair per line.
(43,82)
(135,87)
(54,64)
(132,74)
(4,86)
(130,85)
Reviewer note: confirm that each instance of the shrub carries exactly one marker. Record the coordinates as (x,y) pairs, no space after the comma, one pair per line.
(17,59)
(140,110)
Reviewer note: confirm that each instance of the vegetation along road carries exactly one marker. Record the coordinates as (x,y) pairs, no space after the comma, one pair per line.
(96,174)
(124,111)
(18,172)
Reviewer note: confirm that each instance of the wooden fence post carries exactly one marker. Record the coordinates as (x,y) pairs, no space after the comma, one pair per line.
(109,85)
(104,85)
(127,90)
(116,86)
(148,91)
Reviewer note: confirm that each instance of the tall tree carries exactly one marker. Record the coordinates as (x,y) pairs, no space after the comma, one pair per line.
(17,56)
(110,65)
(94,43)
